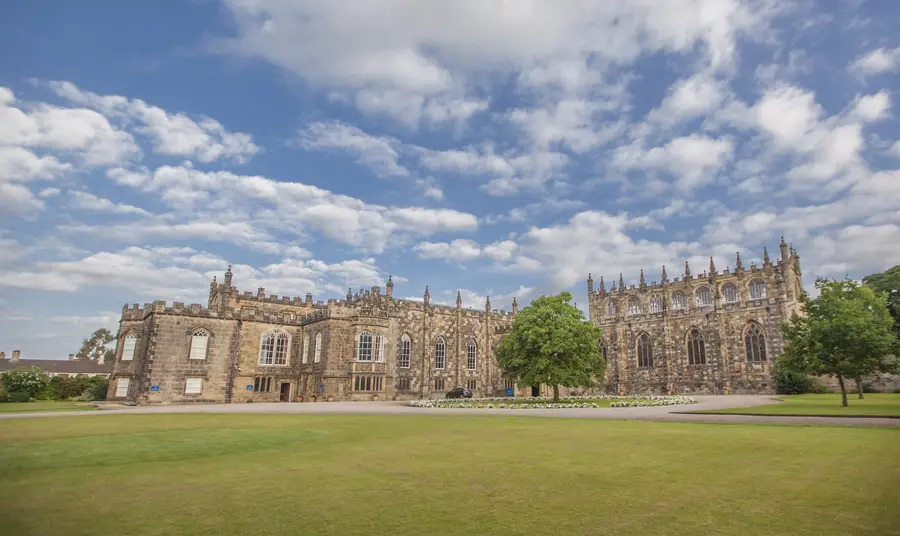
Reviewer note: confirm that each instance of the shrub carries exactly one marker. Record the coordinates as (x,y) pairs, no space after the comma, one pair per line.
(18,396)
(97,388)
(820,389)
(790,382)
(4,396)
(26,380)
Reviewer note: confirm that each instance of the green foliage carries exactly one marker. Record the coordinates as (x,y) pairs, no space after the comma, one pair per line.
(847,332)
(95,347)
(791,382)
(96,389)
(30,380)
(78,387)
(551,343)
(888,282)
(18,396)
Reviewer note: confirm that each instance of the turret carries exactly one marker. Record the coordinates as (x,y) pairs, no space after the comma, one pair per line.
(712,268)
(590,283)
(487,305)
(309,302)
(738,265)
(427,296)
(228,276)
(766,260)
(261,292)
(687,271)
(458,300)
(515,306)
(349,294)
(621,283)
(643,281)
(665,276)
(784,250)
(602,287)
(389,287)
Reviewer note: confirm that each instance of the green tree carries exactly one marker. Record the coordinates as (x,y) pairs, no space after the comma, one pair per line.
(95,347)
(846,332)
(31,380)
(889,283)
(551,342)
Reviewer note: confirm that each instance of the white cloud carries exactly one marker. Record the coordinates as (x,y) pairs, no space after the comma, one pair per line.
(873,107)
(18,163)
(87,201)
(377,153)
(49,192)
(694,160)
(17,200)
(876,61)
(457,250)
(205,139)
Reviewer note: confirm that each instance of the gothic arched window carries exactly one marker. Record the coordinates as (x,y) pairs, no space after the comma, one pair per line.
(305,356)
(704,298)
(379,348)
(656,304)
(274,347)
(364,347)
(603,350)
(439,354)
(317,356)
(729,293)
(471,351)
(757,289)
(679,300)
(644,351)
(405,351)
(199,344)
(634,306)
(696,348)
(755,343)
(611,308)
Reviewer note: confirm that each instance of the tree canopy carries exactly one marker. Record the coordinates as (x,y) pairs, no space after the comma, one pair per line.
(552,343)
(846,332)
(889,283)
(95,347)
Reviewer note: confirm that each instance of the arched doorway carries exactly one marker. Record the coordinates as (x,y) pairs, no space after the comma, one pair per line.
(535,390)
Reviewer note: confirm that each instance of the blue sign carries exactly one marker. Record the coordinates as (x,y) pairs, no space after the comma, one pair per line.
(323,388)
(154,388)
(249,387)
(509,391)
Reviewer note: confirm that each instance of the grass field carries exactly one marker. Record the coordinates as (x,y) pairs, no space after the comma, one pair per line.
(873,405)
(21,407)
(401,475)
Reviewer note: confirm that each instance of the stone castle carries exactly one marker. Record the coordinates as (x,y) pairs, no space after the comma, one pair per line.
(714,333)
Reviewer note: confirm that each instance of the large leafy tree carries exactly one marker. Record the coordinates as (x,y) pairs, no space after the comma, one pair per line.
(95,347)
(846,332)
(888,282)
(552,343)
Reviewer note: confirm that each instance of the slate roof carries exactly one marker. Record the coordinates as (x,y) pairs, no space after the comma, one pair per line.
(59,366)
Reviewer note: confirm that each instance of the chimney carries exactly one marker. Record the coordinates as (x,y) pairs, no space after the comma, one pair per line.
(15,356)
(71,357)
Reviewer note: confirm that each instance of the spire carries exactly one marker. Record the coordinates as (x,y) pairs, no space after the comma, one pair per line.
(712,267)
(643,281)
(458,300)
(784,250)
(427,296)
(212,284)
(349,294)
(738,266)
(621,283)
(602,286)
(665,276)
(766,260)
(228,276)
(687,271)
(515,306)
(389,292)
(487,305)
(590,284)
(390,282)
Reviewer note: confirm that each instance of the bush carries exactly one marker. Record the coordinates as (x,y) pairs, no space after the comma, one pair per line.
(26,380)
(97,388)
(790,382)
(18,396)
(820,389)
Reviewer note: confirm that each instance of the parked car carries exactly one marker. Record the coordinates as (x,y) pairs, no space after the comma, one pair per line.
(459,392)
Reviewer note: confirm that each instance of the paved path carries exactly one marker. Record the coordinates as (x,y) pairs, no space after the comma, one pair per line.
(661,413)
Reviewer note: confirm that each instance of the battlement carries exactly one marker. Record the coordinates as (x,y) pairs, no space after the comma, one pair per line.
(138,313)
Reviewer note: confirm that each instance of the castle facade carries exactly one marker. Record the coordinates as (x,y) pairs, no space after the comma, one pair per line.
(714,333)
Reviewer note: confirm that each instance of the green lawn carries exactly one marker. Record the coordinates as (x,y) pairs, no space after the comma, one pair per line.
(19,407)
(873,405)
(421,475)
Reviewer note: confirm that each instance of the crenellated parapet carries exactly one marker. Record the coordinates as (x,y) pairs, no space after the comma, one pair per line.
(196,310)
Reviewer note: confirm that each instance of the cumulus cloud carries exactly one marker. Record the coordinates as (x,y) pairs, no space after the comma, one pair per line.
(876,61)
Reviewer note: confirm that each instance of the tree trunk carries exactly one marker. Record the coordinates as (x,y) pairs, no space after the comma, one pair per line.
(555,393)
(843,390)
(859,387)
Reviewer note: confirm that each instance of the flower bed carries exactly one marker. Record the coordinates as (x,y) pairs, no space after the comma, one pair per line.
(547,402)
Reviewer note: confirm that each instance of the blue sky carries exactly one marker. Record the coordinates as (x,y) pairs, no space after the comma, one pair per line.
(495,148)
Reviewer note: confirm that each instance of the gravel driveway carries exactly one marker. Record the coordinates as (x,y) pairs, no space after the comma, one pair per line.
(659,413)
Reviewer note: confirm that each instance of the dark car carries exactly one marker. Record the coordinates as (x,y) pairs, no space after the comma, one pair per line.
(459,392)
